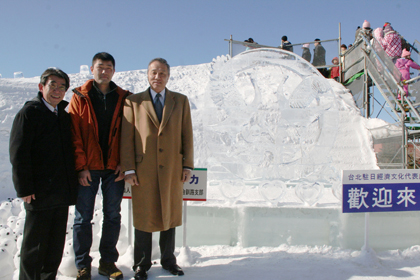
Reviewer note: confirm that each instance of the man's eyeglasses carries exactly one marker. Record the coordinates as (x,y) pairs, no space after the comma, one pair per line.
(54,86)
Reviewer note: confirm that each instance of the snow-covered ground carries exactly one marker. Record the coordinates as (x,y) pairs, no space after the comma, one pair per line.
(274,136)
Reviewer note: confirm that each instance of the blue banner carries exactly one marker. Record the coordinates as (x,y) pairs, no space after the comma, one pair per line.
(381,190)
(381,197)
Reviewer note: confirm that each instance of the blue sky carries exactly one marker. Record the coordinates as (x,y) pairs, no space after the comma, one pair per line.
(66,34)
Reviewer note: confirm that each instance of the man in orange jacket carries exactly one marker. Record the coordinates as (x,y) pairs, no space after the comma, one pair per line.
(96,111)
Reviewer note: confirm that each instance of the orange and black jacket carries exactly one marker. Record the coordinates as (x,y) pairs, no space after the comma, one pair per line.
(85,135)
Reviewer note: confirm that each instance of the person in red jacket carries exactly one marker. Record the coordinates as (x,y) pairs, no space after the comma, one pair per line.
(96,111)
(335,71)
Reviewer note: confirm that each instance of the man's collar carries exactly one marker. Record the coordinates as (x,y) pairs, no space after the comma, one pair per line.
(112,87)
(153,93)
(49,106)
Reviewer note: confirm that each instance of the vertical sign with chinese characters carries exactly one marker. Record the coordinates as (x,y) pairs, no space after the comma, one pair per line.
(382,190)
(196,188)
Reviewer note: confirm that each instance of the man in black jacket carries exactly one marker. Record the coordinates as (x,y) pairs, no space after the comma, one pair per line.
(286,45)
(44,176)
(319,57)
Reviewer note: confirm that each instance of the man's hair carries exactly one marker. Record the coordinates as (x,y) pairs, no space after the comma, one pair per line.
(284,38)
(161,60)
(104,56)
(54,72)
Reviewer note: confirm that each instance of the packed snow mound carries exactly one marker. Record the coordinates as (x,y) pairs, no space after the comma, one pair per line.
(262,120)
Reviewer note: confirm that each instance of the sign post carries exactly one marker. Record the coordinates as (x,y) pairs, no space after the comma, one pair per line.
(194,190)
(381,190)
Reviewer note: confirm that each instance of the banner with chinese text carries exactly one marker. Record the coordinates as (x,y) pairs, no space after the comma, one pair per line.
(382,190)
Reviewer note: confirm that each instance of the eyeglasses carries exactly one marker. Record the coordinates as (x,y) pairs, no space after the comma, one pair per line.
(54,86)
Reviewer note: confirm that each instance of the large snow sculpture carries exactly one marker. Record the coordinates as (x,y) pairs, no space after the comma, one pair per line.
(270,119)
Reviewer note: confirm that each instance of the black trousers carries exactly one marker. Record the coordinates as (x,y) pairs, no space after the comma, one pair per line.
(143,248)
(44,236)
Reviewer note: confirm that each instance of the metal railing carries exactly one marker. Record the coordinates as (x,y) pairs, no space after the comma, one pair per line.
(369,58)
(332,50)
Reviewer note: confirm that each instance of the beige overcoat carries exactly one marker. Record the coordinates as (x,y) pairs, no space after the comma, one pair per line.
(158,153)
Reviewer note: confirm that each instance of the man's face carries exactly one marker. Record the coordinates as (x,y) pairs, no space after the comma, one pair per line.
(102,71)
(158,76)
(53,91)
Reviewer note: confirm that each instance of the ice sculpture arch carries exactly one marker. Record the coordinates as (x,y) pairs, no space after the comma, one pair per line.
(269,116)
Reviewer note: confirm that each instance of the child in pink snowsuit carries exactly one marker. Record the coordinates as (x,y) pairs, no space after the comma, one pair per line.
(403,64)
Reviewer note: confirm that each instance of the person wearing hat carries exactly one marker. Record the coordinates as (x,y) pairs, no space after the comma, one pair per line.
(335,71)
(306,53)
(366,31)
(403,64)
(391,43)
(286,45)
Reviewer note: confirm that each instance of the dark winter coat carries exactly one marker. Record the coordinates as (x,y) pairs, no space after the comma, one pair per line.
(319,56)
(306,54)
(42,156)
(287,46)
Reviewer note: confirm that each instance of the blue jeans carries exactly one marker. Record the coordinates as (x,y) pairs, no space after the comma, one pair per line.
(112,193)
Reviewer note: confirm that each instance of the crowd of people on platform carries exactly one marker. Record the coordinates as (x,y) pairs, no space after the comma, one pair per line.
(394,45)
(318,57)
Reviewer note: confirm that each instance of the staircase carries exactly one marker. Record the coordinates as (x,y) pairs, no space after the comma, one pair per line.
(378,69)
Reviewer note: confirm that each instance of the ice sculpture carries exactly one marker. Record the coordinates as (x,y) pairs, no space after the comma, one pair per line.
(270,118)
(84,70)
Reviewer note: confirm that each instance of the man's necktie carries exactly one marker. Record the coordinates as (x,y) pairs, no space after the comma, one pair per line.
(158,107)
(55,111)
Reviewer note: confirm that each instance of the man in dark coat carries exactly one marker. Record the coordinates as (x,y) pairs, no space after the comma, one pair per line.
(286,45)
(319,57)
(306,53)
(44,176)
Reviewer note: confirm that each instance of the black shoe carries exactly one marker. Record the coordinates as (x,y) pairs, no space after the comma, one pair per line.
(141,273)
(109,270)
(174,269)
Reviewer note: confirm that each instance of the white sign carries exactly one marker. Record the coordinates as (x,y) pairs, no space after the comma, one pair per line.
(195,189)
